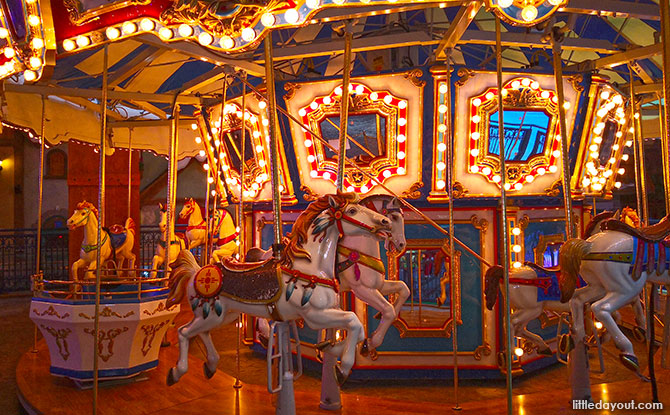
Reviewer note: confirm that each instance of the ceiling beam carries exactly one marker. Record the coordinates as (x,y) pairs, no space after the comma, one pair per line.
(617,58)
(139,62)
(97,93)
(183,122)
(339,13)
(93,107)
(534,40)
(457,27)
(203,80)
(199,52)
(613,8)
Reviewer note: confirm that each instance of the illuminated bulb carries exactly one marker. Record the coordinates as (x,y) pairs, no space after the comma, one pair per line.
(476,119)
(147,25)
(217,143)
(621,171)
(544,94)
(4,33)
(566,105)
(535,85)
(556,153)
(401,155)
(129,27)
(476,102)
(597,186)
(165,33)
(313,4)
(402,121)
(593,147)
(401,138)
(227,42)
(35,62)
(210,180)
(629,143)
(508,186)
(518,186)
(205,166)
(489,95)
(618,99)
(443,88)
(599,325)
(326,175)
(302,112)
(9,52)
(83,41)
(505,3)
(525,82)
(518,351)
(327,100)
(617,185)
(308,143)
(387,173)
(586,181)
(516,231)
(248,34)
(516,84)
(612,160)
(198,140)
(553,168)
(601,112)
(516,248)
(496,178)
(112,33)
(442,128)
(474,152)
(29,75)
(213,193)
(262,105)
(615,147)
(388,99)
(268,19)
(474,169)
(37,43)
(604,94)
(486,170)
(475,136)
(504,93)
(441,166)
(291,16)
(598,140)
(205,39)
(625,157)
(34,20)
(185,30)
(530,178)
(360,89)
(441,147)
(201,152)
(313,105)
(313,173)
(541,171)
(440,184)
(374,96)
(364,189)
(608,173)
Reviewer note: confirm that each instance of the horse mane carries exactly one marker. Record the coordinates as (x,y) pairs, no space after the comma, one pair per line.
(590,227)
(379,197)
(298,235)
(87,205)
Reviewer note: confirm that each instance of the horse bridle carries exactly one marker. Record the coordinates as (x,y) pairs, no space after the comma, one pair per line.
(86,218)
(339,216)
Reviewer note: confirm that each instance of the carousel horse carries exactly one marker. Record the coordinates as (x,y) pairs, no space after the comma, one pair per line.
(615,263)
(177,243)
(361,271)
(301,284)
(196,231)
(534,289)
(116,243)
(225,232)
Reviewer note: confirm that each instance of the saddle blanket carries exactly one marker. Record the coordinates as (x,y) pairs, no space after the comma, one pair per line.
(254,285)
(117,239)
(650,257)
(546,283)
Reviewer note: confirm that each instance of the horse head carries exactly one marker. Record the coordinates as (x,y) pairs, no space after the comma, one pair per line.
(163,222)
(352,218)
(390,207)
(80,217)
(630,217)
(189,206)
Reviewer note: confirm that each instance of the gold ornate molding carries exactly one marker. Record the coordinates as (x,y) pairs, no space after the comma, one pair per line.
(523,222)
(158,309)
(459,190)
(555,189)
(107,312)
(309,195)
(51,311)
(106,336)
(79,15)
(150,331)
(414,76)
(291,88)
(464,75)
(575,81)
(414,191)
(61,339)
(481,224)
(482,350)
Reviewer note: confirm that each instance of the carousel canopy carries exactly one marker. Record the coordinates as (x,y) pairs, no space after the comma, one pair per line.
(146,73)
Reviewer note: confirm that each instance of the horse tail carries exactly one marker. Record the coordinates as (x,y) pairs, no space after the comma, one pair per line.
(491,284)
(130,225)
(184,267)
(570,260)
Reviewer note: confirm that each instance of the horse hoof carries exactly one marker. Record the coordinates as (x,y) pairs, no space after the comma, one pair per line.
(378,316)
(630,362)
(208,373)
(639,334)
(373,354)
(439,302)
(264,341)
(165,343)
(170,378)
(545,351)
(566,344)
(339,376)
(365,348)
(319,356)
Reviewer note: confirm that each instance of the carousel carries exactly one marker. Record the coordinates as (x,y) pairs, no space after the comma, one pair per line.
(466,195)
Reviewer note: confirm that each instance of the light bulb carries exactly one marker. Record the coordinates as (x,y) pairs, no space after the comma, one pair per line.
(505,3)
(529,13)
(165,33)
(112,33)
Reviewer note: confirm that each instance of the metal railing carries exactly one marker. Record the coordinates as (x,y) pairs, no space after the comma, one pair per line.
(18,250)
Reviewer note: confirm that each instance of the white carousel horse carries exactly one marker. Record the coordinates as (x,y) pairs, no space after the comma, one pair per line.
(615,264)
(176,244)
(196,231)
(360,269)
(525,285)
(116,243)
(300,285)
(225,232)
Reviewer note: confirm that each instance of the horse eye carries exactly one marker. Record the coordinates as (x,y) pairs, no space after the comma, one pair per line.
(352,211)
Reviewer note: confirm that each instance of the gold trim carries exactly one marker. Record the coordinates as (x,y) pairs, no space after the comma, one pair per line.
(51,311)
(107,312)
(61,339)
(78,15)
(414,76)
(482,350)
(160,307)
(481,224)
(150,331)
(309,195)
(414,191)
(464,75)
(523,222)
(458,190)
(108,336)
(543,242)
(291,88)
(547,319)
(555,188)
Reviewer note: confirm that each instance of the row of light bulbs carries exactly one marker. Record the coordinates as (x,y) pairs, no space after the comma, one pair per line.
(31,63)
(529,11)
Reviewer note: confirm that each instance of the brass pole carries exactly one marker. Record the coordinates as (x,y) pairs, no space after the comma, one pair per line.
(504,228)
(665,156)
(450,192)
(665,140)
(130,164)
(636,153)
(353,165)
(208,221)
(240,218)
(344,107)
(558,75)
(274,148)
(638,143)
(172,182)
(101,220)
(39,206)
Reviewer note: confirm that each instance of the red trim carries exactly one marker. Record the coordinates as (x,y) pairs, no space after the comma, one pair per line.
(227,239)
(200,226)
(543,283)
(313,279)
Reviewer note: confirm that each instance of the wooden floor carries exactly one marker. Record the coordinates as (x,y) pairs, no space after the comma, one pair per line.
(194,394)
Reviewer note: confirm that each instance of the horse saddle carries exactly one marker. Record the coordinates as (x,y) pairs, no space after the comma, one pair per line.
(117,235)
(542,270)
(251,282)
(650,234)
(546,282)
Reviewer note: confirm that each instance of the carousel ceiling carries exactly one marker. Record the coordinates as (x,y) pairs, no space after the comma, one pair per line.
(147,69)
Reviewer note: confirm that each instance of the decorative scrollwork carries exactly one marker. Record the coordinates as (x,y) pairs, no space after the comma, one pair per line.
(414,76)
(79,14)
(481,224)
(528,346)
(309,195)
(51,311)
(150,331)
(291,88)
(107,336)
(459,190)
(576,82)
(482,350)
(555,189)
(159,308)
(464,74)
(107,312)
(218,17)
(414,191)
(61,339)
(523,222)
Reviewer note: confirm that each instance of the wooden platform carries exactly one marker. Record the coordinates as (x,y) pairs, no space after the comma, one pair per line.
(42,393)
